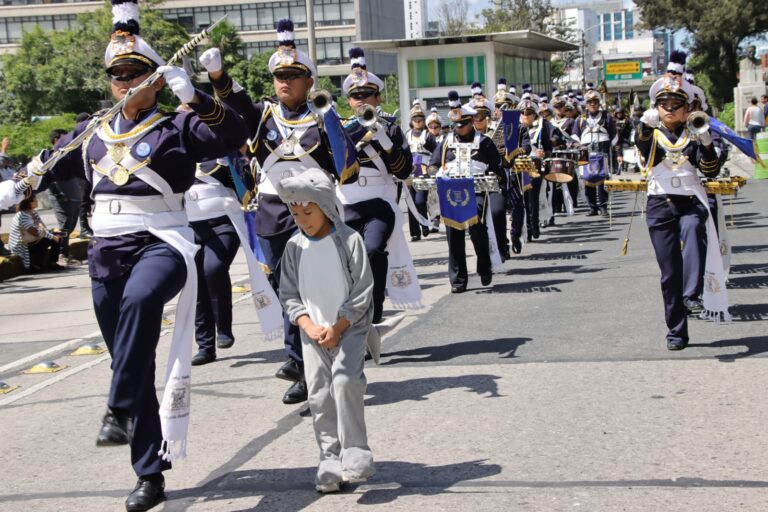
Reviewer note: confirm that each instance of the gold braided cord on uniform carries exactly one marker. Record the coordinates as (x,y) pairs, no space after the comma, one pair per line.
(215,117)
(139,128)
(398,164)
(218,166)
(223,93)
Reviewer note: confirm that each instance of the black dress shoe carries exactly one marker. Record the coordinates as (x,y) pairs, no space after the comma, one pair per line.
(536,233)
(415,238)
(296,394)
(528,237)
(676,344)
(517,245)
(146,494)
(424,231)
(592,213)
(115,428)
(486,279)
(551,222)
(694,306)
(604,212)
(203,357)
(504,254)
(290,371)
(225,341)
(458,289)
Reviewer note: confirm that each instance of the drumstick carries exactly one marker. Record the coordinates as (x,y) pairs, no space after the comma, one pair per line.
(625,246)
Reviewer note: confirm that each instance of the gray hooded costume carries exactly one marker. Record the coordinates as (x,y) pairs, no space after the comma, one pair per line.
(335,377)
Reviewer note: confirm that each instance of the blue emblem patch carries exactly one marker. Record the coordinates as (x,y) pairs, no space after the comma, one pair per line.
(143,149)
(272,135)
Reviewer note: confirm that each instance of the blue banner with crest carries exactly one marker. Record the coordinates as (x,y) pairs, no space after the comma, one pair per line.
(458,204)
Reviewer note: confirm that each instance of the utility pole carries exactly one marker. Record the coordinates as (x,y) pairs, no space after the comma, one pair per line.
(583,60)
(311,30)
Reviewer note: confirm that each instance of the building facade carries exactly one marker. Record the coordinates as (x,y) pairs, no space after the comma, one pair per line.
(338,23)
(614,49)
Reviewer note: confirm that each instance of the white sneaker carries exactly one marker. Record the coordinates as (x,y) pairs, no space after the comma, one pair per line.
(328,488)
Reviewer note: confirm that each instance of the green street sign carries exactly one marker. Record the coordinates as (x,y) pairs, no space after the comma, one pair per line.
(624,70)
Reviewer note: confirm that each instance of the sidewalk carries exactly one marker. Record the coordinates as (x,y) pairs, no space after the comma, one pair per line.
(550,391)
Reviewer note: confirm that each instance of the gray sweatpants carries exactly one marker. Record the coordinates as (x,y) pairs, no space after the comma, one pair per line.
(336,387)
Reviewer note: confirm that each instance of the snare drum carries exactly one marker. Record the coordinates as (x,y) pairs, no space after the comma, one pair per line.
(567,154)
(559,170)
(424,183)
(583,156)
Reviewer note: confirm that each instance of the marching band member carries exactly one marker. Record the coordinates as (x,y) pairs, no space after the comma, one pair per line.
(483,156)
(541,147)
(142,254)
(596,130)
(517,190)
(422,144)
(435,125)
(215,209)
(624,134)
(370,206)
(677,208)
(497,200)
(285,139)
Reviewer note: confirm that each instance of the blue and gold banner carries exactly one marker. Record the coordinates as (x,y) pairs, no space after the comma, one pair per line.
(458,204)
(342,148)
(746,146)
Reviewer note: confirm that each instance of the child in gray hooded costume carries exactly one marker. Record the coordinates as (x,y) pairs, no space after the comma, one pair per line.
(342,289)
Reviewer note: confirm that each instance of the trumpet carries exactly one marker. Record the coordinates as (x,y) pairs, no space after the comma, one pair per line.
(368,118)
(698,123)
(320,102)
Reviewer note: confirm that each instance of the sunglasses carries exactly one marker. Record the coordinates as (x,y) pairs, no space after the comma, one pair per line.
(128,76)
(593,102)
(671,106)
(361,95)
(289,77)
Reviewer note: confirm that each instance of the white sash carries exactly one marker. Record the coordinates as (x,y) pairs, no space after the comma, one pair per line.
(662,179)
(403,286)
(545,200)
(172,228)
(493,245)
(214,200)
(725,241)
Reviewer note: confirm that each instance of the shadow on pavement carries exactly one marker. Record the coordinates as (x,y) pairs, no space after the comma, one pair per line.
(748,282)
(552,269)
(556,256)
(266,356)
(749,312)
(504,347)
(740,249)
(528,287)
(754,345)
(417,390)
(289,490)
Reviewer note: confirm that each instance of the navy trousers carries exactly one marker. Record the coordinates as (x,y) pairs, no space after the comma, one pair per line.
(420,200)
(273,248)
(516,203)
(498,206)
(525,206)
(375,221)
(532,204)
(129,310)
(457,254)
(597,197)
(671,219)
(218,248)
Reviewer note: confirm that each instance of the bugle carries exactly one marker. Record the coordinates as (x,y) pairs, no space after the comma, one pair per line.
(698,123)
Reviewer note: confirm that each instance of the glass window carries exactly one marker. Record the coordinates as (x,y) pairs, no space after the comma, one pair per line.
(281,13)
(318,13)
(629,29)
(202,19)
(299,15)
(265,18)
(250,19)
(607,32)
(332,13)
(3,32)
(235,19)
(617,32)
(14,30)
(617,16)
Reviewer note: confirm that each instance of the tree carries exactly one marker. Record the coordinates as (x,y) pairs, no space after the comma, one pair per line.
(63,71)
(452,17)
(253,74)
(517,15)
(226,38)
(717,30)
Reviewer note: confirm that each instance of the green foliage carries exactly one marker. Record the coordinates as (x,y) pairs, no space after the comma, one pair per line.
(28,139)
(253,74)
(226,38)
(717,31)
(509,15)
(727,115)
(63,71)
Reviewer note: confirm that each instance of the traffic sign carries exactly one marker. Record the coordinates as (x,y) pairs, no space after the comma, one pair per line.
(624,70)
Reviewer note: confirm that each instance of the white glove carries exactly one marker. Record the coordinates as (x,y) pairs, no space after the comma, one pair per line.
(382,138)
(211,60)
(650,118)
(705,138)
(34,174)
(179,82)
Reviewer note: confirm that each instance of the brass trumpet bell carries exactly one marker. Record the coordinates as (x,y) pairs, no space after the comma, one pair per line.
(698,123)
(366,115)
(319,102)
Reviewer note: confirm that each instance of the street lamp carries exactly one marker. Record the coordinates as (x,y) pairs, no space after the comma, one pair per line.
(583,56)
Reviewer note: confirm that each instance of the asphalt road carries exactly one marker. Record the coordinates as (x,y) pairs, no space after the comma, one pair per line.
(550,390)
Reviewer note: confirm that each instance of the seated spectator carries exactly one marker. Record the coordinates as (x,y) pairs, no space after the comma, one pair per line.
(31,241)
